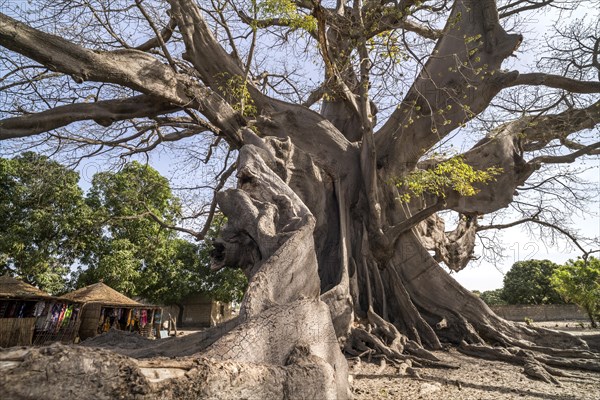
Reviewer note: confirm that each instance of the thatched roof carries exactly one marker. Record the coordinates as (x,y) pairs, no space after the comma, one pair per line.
(100,293)
(14,288)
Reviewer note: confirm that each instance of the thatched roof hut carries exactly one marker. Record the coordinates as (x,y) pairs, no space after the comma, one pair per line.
(29,315)
(101,293)
(105,308)
(15,289)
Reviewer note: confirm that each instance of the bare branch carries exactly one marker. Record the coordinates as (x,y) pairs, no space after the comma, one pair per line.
(163,224)
(507,12)
(158,35)
(536,220)
(165,35)
(555,81)
(103,113)
(567,158)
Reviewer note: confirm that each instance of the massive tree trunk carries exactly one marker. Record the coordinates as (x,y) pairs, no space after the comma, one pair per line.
(336,261)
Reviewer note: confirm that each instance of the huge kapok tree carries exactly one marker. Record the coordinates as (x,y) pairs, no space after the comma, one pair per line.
(335,217)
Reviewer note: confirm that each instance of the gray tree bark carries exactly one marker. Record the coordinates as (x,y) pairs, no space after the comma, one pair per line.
(335,261)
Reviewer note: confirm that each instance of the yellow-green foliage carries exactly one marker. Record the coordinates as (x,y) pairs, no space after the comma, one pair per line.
(287,11)
(235,89)
(390,46)
(453,174)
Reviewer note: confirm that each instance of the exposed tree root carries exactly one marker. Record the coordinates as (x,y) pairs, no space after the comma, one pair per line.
(536,365)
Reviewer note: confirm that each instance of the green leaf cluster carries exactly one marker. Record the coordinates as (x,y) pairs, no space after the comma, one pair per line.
(45,220)
(286,11)
(235,88)
(528,282)
(493,297)
(453,173)
(55,237)
(579,282)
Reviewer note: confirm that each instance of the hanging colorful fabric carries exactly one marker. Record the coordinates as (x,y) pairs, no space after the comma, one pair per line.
(144,318)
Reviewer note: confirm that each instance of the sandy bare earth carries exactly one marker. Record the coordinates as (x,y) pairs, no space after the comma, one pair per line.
(475,379)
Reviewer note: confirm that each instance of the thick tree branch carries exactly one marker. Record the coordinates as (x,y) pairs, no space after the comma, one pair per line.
(567,158)
(209,58)
(130,68)
(535,132)
(504,149)
(102,112)
(458,82)
(395,231)
(555,81)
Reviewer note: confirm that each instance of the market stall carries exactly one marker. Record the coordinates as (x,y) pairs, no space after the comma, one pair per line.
(105,309)
(30,316)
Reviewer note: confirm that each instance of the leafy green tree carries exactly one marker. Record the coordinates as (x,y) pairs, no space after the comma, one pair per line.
(46,223)
(117,266)
(493,297)
(579,282)
(133,243)
(137,254)
(528,282)
(188,270)
(128,199)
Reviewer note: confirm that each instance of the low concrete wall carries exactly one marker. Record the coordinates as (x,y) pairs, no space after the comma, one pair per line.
(547,312)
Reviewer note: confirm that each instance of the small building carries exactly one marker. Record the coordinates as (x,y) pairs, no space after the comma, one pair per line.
(30,316)
(199,310)
(105,308)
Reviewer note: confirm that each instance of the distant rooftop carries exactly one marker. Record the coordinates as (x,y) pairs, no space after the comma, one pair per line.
(100,293)
(14,288)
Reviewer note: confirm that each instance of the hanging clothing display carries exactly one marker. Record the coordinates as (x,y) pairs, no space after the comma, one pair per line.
(39,308)
(128,319)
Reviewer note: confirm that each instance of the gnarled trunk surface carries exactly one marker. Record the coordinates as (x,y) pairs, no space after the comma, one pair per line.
(286,341)
(335,261)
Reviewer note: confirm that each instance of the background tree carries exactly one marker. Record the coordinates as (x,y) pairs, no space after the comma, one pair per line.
(49,228)
(45,222)
(579,282)
(528,282)
(323,235)
(493,297)
(138,254)
(188,271)
(131,207)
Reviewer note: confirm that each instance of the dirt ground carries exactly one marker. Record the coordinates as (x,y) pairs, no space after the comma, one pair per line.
(474,379)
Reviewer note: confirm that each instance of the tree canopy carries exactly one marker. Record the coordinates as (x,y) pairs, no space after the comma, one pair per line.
(493,297)
(578,282)
(137,253)
(116,233)
(46,223)
(528,282)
